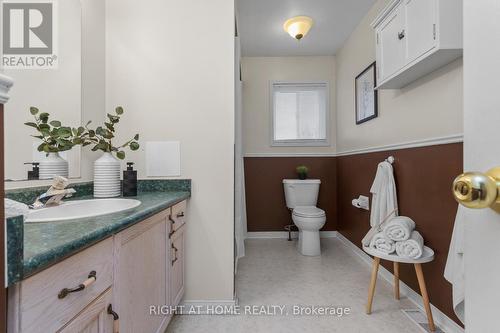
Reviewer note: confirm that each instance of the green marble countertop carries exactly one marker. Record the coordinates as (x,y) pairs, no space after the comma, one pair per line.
(45,244)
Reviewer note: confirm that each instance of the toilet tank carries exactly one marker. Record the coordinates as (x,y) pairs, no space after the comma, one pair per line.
(301,192)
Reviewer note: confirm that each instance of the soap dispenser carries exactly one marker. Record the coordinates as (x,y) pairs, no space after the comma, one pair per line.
(35,172)
(129,181)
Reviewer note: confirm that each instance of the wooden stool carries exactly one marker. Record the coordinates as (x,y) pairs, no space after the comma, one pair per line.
(427,256)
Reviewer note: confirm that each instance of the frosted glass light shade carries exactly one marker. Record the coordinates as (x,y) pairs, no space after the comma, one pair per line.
(298,26)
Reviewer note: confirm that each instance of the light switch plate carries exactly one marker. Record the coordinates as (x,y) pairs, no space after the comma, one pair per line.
(163,159)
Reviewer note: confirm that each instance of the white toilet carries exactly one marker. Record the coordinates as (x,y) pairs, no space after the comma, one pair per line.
(301,196)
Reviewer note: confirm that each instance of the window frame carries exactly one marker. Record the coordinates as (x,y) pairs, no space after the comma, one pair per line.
(300,142)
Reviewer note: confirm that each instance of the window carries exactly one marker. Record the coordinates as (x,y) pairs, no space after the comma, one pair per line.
(300,114)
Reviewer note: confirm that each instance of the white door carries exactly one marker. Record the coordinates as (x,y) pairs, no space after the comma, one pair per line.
(391,43)
(482,152)
(420,27)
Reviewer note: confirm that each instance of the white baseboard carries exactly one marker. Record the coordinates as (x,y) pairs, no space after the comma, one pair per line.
(442,320)
(203,307)
(284,234)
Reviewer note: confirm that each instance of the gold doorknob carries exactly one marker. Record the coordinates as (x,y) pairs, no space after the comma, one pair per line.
(478,190)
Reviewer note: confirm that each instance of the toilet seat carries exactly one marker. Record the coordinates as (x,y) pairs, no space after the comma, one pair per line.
(308,211)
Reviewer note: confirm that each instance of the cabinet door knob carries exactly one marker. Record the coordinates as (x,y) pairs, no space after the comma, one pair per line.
(401,34)
(91,279)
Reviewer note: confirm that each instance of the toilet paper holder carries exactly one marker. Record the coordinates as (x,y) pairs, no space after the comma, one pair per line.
(362,202)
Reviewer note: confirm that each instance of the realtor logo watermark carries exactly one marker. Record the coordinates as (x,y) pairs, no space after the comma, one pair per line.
(29,34)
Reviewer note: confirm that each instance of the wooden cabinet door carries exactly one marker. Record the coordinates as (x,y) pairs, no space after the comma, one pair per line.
(420,27)
(140,274)
(391,43)
(177,265)
(94,318)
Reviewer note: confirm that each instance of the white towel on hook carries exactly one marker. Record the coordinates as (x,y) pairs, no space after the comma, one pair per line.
(454,270)
(384,200)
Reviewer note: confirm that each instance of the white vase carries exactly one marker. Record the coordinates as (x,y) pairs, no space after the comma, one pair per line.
(53,165)
(107,177)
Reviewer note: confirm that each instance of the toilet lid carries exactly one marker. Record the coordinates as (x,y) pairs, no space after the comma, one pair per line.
(308,211)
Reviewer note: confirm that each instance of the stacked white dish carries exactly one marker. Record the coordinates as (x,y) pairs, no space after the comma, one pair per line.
(107,177)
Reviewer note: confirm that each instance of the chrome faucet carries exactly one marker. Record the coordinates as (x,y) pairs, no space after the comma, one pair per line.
(54,194)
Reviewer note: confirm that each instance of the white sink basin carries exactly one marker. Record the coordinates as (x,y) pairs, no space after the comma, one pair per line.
(80,209)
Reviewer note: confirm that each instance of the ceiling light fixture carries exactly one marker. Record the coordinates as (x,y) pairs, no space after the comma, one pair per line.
(298,26)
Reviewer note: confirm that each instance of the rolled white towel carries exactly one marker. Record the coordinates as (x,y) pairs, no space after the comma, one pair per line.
(382,244)
(399,228)
(411,248)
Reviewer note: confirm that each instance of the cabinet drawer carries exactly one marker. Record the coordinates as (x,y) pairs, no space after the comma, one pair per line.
(40,306)
(178,217)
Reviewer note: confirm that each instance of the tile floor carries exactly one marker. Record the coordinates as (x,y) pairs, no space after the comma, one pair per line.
(273,273)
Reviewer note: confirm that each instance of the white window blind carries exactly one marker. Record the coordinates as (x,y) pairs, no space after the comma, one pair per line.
(300,114)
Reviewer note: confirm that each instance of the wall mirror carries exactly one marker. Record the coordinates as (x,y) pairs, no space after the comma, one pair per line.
(56,91)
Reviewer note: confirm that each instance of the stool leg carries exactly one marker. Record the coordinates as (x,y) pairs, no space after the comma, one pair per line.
(425,297)
(373,282)
(396,280)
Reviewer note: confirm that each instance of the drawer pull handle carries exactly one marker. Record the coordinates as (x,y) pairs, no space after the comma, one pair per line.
(171,219)
(175,254)
(181,214)
(116,319)
(91,279)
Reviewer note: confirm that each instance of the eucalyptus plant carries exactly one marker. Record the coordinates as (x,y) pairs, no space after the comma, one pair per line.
(102,137)
(54,136)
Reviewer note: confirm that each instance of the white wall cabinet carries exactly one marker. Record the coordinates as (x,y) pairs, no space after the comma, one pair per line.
(140,266)
(392,50)
(414,38)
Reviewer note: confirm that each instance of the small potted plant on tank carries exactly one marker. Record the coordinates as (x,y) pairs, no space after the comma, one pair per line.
(302,171)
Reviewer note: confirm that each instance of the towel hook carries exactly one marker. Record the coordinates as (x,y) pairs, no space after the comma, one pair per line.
(390,159)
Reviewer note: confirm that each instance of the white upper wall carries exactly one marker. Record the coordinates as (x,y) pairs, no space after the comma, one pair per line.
(257,73)
(428,108)
(170,64)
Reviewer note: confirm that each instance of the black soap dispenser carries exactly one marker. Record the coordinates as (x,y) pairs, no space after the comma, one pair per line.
(35,172)
(129,181)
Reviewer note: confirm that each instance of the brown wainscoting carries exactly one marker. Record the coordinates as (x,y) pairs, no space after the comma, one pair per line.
(266,209)
(424,176)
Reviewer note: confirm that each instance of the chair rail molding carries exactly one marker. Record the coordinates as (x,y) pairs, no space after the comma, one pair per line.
(432,141)
(5,85)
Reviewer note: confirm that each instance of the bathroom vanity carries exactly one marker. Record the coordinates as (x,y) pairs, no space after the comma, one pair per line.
(107,274)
